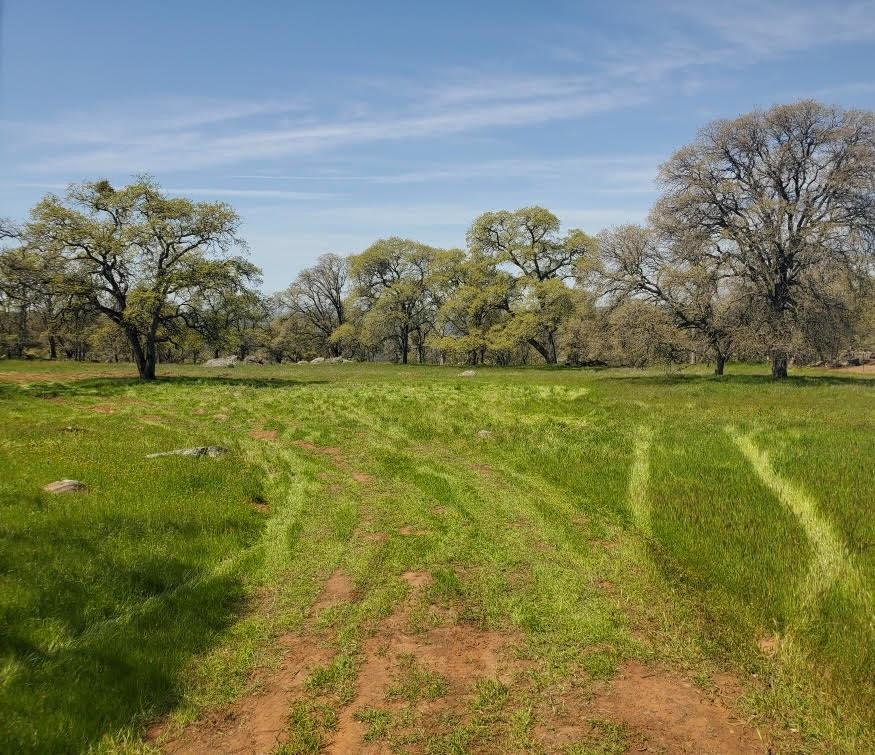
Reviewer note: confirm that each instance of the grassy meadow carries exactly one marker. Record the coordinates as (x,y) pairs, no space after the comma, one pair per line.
(711,528)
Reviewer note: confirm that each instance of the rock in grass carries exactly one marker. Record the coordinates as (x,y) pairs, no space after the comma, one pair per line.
(317,360)
(222,361)
(467,373)
(484,433)
(212,451)
(65,486)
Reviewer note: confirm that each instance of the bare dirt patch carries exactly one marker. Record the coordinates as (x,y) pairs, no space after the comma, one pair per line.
(416,578)
(259,504)
(338,588)
(409,531)
(447,662)
(256,722)
(375,537)
(264,434)
(668,713)
(103,409)
(768,644)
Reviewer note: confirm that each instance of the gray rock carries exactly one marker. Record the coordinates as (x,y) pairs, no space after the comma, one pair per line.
(467,373)
(484,433)
(317,360)
(65,486)
(212,451)
(254,359)
(222,361)
(336,360)
(303,361)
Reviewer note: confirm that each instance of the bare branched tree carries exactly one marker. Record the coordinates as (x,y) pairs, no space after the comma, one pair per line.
(779,198)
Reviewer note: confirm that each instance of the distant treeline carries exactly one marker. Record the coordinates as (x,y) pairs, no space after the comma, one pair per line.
(761,246)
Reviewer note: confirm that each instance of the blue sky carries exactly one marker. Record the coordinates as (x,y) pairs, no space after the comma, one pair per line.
(329,125)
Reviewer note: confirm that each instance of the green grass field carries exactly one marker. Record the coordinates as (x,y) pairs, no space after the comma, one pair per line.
(591,521)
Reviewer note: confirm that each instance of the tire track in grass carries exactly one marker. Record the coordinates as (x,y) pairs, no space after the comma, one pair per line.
(639,477)
(832,560)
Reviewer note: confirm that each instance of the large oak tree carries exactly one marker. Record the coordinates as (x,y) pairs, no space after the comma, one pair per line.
(149,258)
(783,200)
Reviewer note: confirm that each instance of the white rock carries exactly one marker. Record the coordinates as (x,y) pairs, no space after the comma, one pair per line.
(212,451)
(222,361)
(65,486)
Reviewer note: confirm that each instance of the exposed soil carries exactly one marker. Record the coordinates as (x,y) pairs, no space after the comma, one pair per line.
(460,655)
(668,713)
(256,722)
(339,588)
(264,434)
(375,537)
(409,531)
(416,578)
(768,643)
(428,678)
(103,409)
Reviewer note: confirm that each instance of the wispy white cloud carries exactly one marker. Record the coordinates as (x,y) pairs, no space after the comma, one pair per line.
(166,150)
(613,168)
(219,191)
(767,29)
(175,134)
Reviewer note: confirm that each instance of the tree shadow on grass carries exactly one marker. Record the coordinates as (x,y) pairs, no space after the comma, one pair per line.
(122,670)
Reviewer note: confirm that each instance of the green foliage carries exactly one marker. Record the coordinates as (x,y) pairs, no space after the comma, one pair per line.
(145,260)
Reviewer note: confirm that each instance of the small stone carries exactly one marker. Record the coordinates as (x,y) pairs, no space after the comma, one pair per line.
(484,433)
(65,486)
(212,451)
(317,360)
(467,373)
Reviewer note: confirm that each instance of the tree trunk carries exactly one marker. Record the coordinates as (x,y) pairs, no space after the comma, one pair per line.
(53,348)
(145,355)
(779,365)
(721,363)
(544,352)
(405,348)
